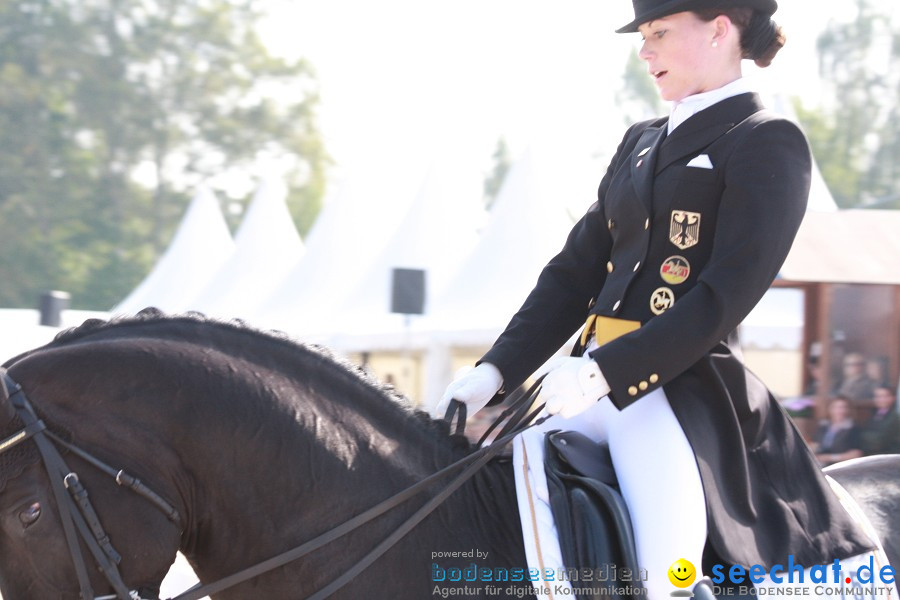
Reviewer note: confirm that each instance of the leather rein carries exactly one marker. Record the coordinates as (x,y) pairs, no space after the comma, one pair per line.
(78,517)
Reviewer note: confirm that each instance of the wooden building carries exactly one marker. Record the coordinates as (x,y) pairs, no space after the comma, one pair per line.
(847,263)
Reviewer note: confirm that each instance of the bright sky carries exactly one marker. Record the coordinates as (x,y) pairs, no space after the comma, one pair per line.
(409,78)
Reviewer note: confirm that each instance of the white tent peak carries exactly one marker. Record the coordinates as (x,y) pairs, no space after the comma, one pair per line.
(267,246)
(528,226)
(820,198)
(440,226)
(268,216)
(436,233)
(202,243)
(354,225)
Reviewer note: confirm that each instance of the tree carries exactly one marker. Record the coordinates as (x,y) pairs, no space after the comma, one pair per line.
(114,111)
(494,181)
(856,139)
(638,98)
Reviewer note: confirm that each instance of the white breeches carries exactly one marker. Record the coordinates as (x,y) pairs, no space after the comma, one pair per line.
(658,478)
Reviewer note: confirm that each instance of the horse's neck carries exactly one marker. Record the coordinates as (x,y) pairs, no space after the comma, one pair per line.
(308,483)
(253,477)
(483,515)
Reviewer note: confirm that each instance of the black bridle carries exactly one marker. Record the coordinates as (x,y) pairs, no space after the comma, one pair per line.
(76,513)
(78,516)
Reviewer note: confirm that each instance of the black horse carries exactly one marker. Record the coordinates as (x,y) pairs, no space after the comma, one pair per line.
(260,444)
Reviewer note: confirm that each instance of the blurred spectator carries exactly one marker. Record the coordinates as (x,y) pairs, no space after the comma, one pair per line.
(897,395)
(856,385)
(814,370)
(839,437)
(877,370)
(881,434)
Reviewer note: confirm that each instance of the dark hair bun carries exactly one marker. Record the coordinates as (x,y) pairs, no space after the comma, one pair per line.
(762,39)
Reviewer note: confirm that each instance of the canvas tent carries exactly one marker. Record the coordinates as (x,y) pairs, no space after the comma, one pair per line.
(820,198)
(202,244)
(528,225)
(436,233)
(355,224)
(540,200)
(267,246)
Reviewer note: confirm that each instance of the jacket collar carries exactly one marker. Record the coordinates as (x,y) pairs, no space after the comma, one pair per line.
(703,128)
(655,150)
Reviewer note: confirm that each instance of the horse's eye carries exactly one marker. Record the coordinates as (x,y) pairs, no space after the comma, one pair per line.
(31,514)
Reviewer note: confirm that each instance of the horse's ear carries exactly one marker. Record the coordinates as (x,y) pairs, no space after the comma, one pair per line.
(7,411)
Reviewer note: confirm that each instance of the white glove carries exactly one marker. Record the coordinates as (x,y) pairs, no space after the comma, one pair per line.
(572,385)
(473,387)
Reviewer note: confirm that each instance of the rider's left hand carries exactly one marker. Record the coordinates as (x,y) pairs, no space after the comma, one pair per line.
(572,385)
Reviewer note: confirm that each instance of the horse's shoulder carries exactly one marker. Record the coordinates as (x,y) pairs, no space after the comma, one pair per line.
(872,480)
(882,467)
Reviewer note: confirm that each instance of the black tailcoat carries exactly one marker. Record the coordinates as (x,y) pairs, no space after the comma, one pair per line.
(688,251)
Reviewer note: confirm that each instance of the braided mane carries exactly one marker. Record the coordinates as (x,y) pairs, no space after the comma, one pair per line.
(98,328)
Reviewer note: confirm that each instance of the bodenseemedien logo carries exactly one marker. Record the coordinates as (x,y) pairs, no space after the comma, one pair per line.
(682,574)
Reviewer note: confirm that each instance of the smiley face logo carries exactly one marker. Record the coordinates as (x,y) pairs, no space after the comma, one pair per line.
(682,573)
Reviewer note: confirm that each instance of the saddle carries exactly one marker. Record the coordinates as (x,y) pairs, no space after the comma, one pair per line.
(592,520)
(593,524)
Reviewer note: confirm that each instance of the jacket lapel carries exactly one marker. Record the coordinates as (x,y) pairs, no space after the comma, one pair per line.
(703,128)
(643,158)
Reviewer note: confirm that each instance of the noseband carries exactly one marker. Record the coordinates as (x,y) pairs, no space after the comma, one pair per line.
(75,510)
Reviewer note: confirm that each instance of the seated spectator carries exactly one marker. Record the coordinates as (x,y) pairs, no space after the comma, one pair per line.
(814,370)
(838,437)
(877,370)
(881,435)
(856,385)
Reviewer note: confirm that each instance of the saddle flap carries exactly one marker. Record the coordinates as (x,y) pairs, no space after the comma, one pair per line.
(592,521)
(586,457)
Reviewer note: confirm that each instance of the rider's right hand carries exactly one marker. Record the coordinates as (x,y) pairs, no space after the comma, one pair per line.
(473,387)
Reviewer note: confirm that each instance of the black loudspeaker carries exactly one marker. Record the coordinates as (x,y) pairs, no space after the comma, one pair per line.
(408,291)
(51,306)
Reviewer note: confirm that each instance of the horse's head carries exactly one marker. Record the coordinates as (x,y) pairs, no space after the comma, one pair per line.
(37,561)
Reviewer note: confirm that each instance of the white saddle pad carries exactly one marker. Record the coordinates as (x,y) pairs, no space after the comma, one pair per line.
(542,549)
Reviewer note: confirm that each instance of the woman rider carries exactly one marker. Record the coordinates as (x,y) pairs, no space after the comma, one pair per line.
(694,217)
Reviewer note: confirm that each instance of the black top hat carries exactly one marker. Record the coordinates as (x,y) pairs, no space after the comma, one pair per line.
(647,10)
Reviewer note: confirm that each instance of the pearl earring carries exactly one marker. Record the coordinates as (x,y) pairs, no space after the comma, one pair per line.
(715,44)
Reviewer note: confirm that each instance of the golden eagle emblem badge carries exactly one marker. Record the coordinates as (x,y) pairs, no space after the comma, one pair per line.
(684,229)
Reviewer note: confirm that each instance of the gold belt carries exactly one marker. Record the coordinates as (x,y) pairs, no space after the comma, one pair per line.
(606,329)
